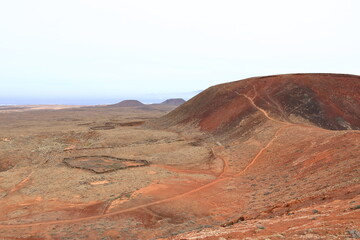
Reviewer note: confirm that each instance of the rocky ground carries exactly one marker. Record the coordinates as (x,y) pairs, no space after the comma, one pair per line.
(235,162)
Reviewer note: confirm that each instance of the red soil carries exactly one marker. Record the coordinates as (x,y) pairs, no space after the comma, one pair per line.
(330,101)
(284,169)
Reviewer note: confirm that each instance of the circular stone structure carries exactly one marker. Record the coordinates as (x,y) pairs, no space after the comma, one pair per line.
(103,164)
(106,127)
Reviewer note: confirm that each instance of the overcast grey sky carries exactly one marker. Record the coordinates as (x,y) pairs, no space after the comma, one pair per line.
(73,51)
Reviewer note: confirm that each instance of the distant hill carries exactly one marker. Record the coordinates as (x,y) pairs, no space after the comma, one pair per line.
(129,103)
(173,101)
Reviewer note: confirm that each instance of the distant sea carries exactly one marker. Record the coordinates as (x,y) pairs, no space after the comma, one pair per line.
(4,102)
(93,101)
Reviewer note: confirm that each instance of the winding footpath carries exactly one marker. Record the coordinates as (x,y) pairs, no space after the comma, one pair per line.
(220,178)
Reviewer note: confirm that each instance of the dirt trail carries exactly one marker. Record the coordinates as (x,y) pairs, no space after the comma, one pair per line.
(225,166)
(251,100)
(182,170)
(266,114)
(117,212)
(20,185)
(219,179)
(107,206)
(260,109)
(277,133)
(225,161)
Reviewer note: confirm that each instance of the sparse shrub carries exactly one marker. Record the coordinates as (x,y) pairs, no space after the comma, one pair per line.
(355,207)
(260,227)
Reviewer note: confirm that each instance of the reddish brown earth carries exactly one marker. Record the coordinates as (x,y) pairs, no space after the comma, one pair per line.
(329,101)
(263,158)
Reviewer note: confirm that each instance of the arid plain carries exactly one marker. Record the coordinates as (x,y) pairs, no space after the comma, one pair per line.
(272,157)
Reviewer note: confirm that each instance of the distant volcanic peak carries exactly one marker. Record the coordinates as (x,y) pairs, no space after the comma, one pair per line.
(129,103)
(329,101)
(174,101)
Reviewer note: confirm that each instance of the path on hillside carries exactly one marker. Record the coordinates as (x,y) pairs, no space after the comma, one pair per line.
(220,178)
(251,100)
(267,115)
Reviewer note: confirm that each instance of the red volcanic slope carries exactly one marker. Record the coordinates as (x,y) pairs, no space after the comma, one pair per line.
(283,161)
(329,101)
(273,165)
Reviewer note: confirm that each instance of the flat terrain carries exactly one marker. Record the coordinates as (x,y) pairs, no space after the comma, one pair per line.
(235,162)
(54,168)
(22,108)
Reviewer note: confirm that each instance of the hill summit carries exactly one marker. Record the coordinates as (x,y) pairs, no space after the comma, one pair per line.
(173,101)
(129,103)
(329,101)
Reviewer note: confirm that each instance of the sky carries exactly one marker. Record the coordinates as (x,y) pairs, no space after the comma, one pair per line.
(105,51)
